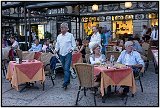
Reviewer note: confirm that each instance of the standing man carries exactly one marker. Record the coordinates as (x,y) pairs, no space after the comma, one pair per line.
(154,36)
(65,45)
(95,38)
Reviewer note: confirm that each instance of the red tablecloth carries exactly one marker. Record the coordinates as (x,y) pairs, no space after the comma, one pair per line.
(37,55)
(25,72)
(113,76)
(76,57)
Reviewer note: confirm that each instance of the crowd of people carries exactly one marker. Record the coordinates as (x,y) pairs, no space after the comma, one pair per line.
(132,54)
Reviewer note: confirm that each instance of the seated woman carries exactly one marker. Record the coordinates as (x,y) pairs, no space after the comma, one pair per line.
(80,48)
(36,47)
(46,46)
(120,45)
(15,44)
(97,57)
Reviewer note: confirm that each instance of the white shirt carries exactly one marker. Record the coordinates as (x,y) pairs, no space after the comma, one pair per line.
(153,35)
(65,43)
(96,37)
(97,60)
(15,45)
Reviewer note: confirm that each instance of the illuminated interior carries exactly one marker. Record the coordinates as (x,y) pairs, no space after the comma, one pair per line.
(88,27)
(122,27)
(123,24)
(154,22)
(41,31)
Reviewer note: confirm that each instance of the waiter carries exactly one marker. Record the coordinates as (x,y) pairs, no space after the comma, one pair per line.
(65,45)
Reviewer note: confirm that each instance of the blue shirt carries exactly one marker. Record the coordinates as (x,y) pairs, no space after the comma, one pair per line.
(103,38)
(35,48)
(107,36)
(130,59)
(138,47)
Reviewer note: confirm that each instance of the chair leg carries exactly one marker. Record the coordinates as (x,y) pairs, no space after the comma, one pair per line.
(95,96)
(78,95)
(84,91)
(140,84)
(43,85)
(115,89)
(52,80)
(142,74)
(4,72)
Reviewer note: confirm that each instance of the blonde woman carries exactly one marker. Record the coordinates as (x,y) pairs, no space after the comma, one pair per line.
(97,57)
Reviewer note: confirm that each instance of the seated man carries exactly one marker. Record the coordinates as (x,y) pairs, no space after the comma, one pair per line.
(36,47)
(132,59)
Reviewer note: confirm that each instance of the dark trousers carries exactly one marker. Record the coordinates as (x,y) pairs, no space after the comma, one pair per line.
(136,73)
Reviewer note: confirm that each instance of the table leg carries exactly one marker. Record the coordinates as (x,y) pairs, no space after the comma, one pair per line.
(103,99)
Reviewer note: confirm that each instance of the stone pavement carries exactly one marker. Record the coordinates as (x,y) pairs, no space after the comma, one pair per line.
(56,96)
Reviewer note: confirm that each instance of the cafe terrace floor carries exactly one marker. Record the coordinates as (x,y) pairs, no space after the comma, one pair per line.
(56,96)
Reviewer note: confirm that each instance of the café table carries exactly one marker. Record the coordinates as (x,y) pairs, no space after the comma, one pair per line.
(115,76)
(77,58)
(25,72)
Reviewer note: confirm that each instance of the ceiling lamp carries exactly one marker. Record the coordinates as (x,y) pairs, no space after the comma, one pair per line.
(95,7)
(128,4)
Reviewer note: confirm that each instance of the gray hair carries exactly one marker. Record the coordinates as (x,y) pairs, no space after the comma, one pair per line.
(64,25)
(128,43)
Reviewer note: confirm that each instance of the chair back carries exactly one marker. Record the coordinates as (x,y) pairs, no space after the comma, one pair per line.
(145,46)
(85,74)
(19,54)
(45,58)
(109,48)
(27,55)
(87,58)
(115,53)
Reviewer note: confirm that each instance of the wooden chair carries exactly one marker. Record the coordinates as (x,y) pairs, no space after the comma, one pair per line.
(109,48)
(19,54)
(85,73)
(115,53)
(45,58)
(87,58)
(138,77)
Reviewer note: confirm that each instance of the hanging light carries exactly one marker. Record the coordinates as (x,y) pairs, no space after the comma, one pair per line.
(128,4)
(95,7)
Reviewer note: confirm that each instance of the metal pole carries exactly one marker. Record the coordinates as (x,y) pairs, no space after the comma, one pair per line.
(79,26)
(29,13)
(76,27)
(25,25)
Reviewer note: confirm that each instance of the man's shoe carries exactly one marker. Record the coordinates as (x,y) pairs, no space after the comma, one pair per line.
(64,86)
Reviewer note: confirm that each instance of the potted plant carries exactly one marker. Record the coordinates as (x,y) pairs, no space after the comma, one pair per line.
(47,35)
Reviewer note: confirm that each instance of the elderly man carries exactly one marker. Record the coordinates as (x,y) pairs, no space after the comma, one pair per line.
(36,47)
(132,59)
(65,45)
